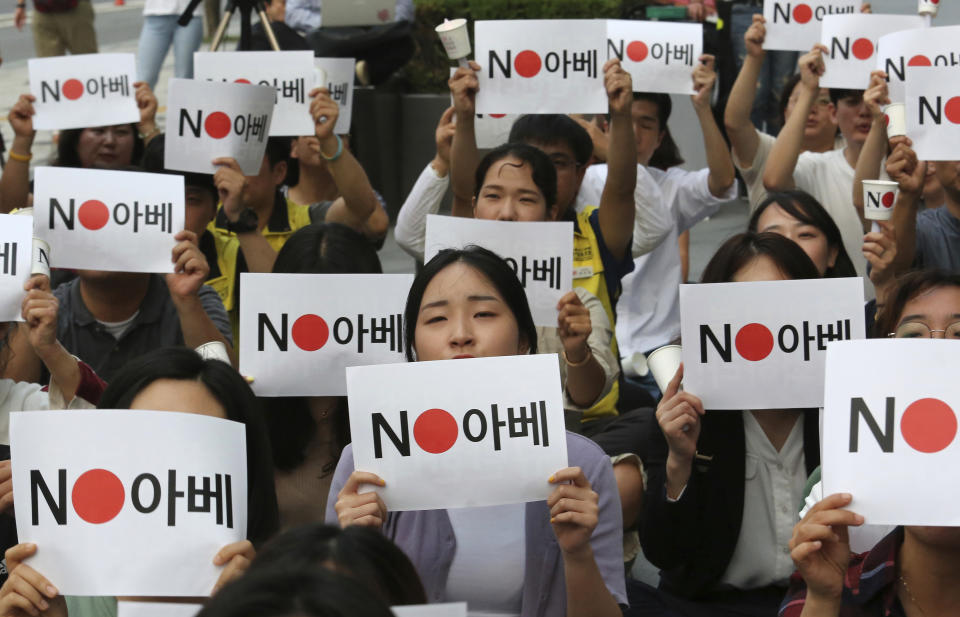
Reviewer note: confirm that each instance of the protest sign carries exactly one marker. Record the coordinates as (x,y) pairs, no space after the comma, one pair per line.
(851,41)
(795,25)
(357,12)
(660,56)
(541,66)
(933,112)
(337,75)
(921,47)
(153,496)
(298,332)
(497,421)
(16,240)
(541,253)
(208,120)
(78,91)
(490,130)
(890,427)
(142,608)
(288,73)
(449,609)
(98,219)
(760,345)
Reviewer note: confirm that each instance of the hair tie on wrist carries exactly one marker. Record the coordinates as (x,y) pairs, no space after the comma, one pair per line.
(331,159)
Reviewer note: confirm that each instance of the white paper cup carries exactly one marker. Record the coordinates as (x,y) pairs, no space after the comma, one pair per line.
(455,38)
(928,7)
(878,199)
(895,115)
(663,363)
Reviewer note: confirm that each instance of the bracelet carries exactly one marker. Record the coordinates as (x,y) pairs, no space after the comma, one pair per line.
(570,364)
(23,158)
(21,5)
(150,135)
(331,159)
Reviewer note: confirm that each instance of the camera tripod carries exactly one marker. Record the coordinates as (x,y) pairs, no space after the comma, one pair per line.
(246,8)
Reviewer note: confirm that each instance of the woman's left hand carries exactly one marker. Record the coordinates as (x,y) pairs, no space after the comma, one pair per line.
(573,327)
(236,559)
(574,510)
(39,311)
(147,104)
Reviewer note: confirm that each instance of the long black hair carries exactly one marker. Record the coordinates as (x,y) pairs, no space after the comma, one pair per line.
(491,266)
(240,404)
(360,552)
(805,208)
(743,248)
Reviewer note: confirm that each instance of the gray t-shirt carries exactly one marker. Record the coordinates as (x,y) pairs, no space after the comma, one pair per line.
(938,240)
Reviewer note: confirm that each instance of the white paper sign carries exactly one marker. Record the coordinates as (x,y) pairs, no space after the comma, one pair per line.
(794,25)
(890,429)
(660,56)
(288,73)
(909,48)
(491,130)
(138,608)
(298,332)
(541,253)
(852,43)
(128,503)
(338,74)
(450,609)
(16,240)
(497,421)
(358,12)
(208,120)
(739,339)
(541,66)
(933,112)
(75,92)
(97,219)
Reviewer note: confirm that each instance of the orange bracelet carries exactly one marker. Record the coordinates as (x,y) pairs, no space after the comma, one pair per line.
(23,158)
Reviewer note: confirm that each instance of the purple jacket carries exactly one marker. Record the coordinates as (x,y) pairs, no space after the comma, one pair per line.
(426,536)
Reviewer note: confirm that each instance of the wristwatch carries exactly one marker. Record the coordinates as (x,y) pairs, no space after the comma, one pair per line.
(246,223)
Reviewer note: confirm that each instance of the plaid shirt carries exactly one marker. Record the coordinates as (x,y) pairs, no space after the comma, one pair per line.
(869,588)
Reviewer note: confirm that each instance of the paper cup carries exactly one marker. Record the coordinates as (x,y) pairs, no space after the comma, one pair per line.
(455,38)
(895,116)
(878,199)
(663,363)
(928,7)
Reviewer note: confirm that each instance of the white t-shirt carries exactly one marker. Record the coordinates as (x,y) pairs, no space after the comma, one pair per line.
(489,564)
(648,312)
(829,178)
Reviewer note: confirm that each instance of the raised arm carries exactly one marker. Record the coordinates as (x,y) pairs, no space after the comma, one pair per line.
(39,311)
(357,206)
(617,209)
(464,155)
(874,149)
(904,169)
(231,183)
(778,175)
(736,117)
(722,175)
(15,180)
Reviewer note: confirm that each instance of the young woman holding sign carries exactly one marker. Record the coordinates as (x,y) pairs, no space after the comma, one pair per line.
(723,487)
(559,557)
(914,570)
(171,379)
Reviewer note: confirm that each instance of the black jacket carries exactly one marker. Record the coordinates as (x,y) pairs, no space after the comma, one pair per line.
(693,539)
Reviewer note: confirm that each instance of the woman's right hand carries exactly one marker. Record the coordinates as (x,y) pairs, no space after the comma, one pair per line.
(678,415)
(365,509)
(463,87)
(444,138)
(21,117)
(820,547)
(27,592)
(755,35)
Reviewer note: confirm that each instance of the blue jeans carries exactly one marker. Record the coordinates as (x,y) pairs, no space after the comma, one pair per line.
(159,31)
(778,66)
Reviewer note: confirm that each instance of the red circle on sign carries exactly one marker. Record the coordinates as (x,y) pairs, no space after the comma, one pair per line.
(935,1)
(241,81)
(754,342)
(93,214)
(498,115)
(887,199)
(952,109)
(637,51)
(435,431)
(72,89)
(886,120)
(217,125)
(802,13)
(862,49)
(928,425)
(527,63)
(97,496)
(919,60)
(310,332)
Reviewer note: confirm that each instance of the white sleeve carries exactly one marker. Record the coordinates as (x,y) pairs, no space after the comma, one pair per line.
(694,201)
(425,198)
(652,221)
